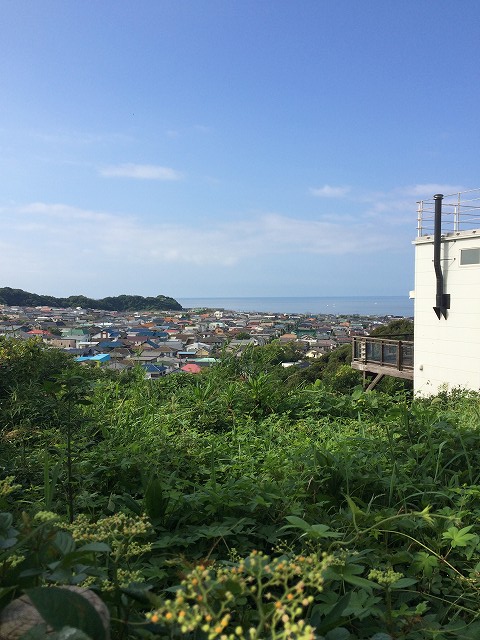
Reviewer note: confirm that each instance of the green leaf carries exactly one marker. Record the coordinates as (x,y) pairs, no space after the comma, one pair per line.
(362,603)
(132,504)
(335,616)
(140,594)
(6,590)
(51,387)
(215,530)
(29,573)
(360,582)
(8,535)
(6,520)
(315,531)
(64,542)
(340,633)
(97,547)
(322,531)
(155,502)
(353,507)
(62,608)
(425,563)
(458,537)
(402,583)
(6,543)
(295,521)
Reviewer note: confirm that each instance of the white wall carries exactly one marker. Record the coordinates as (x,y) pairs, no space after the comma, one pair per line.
(447,351)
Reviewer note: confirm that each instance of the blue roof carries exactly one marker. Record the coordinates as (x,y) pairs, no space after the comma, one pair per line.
(153,344)
(110,344)
(100,357)
(153,368)
(141,332)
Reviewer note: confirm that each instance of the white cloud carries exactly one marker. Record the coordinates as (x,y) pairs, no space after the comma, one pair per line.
(65,212)
(67,137)
(57,234)
(399,205)
(59,249)
(141,172)
(329,192)
(427,191)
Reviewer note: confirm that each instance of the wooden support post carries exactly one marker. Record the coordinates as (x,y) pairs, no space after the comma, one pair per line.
(399,355)
(374,382)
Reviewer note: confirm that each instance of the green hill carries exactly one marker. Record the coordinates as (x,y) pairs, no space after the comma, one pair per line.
(20,298)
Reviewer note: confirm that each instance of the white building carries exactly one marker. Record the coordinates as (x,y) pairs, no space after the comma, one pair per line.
(447,294)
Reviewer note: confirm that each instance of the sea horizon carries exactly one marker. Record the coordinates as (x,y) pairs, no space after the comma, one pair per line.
(399,306)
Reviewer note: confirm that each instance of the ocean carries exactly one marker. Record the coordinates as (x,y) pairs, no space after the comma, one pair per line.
(338,305)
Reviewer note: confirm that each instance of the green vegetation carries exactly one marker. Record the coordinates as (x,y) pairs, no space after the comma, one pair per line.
(243,335)
(401,329)
(19,298)
(247,502)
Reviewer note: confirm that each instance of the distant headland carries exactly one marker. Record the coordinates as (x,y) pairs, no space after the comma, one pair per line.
(20,298)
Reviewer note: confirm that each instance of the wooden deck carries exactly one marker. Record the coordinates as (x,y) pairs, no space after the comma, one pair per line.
(382,357)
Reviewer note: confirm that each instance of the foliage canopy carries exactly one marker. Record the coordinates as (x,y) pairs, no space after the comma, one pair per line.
(18,297)
(245,502)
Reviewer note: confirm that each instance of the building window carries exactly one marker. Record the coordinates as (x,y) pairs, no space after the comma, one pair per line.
(470,256)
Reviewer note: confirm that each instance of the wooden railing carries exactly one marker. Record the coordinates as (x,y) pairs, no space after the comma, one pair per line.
(380,355)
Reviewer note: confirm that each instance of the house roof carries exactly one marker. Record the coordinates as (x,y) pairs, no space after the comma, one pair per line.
(110,344)
(288,336)
(159,351)
(149,367)
(118,366)
(191,368)
(100,357)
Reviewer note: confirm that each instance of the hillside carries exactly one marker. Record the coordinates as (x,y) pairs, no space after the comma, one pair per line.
(234,504)
(20,298)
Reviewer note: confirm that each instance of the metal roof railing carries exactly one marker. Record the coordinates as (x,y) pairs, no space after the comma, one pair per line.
(460,212)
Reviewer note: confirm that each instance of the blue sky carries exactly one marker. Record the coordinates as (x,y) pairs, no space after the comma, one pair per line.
(229,148)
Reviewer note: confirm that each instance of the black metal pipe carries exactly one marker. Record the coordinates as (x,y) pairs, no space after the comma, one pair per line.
(442,300)
(437,242)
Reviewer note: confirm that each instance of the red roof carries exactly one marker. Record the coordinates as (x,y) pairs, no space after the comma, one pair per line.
(191,368)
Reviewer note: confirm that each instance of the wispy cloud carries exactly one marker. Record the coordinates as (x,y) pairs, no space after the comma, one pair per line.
(61,137)
(65,231)
(427,191)
(328,191)
(59,248)
(399,204)
(64,212)
(141,172)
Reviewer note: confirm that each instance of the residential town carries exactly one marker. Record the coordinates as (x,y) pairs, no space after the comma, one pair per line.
(162,343)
